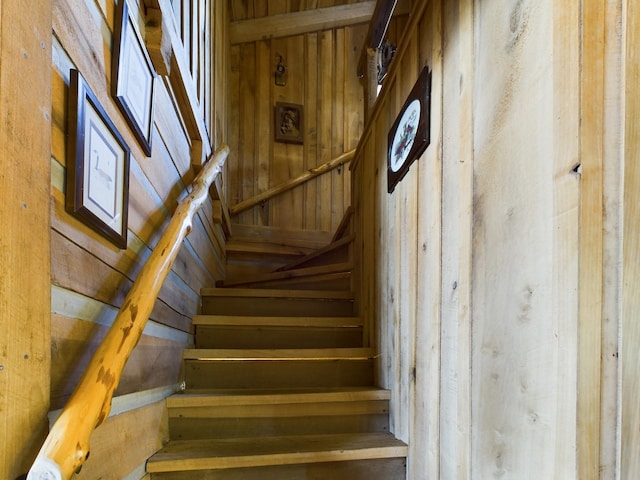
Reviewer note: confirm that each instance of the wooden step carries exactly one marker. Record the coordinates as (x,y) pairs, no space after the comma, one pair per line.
(273,302)
(283,368)
(326,281)
(279,354)
(199,416)
(225,331)
(299,274)
(335,252)
(221,454)
(370,469)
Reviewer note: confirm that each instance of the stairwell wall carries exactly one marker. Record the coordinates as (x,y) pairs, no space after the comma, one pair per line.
(321,76)
(89,275)
(492,272)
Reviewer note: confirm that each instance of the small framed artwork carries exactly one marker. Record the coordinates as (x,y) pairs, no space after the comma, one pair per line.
(409,134)
(288,126)
(97,165)
(133,76)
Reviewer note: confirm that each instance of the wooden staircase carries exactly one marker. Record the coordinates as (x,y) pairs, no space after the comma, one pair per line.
(279,386)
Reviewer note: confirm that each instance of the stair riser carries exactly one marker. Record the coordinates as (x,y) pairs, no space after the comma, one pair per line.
(204,428)
(283,374)
(321,282)
(277,337)
(276,307)
(374,469)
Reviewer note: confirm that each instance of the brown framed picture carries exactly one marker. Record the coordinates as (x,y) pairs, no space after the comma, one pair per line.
(97,165)
(289,124)
(134,77)
(409,135)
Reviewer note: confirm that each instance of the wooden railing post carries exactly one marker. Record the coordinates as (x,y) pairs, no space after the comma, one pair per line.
(67,445)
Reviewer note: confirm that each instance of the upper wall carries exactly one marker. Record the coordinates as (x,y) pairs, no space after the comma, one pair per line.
(491,271)
(90,276)
(321,76)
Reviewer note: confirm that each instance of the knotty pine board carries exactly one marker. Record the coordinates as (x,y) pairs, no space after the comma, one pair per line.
(515,387)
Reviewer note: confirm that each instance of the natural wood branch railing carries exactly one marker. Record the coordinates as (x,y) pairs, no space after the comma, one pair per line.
(67,445)
(294,182)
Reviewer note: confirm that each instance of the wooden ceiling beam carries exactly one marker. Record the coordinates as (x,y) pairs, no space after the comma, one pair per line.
(298,23)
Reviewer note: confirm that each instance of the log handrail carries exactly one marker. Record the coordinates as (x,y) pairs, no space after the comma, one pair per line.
(67,446)
(294,182)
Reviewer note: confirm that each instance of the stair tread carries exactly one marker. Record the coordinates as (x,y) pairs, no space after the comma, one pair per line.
(244,320)
(276,293)
(273,390)
(334,245)
(269,398)
(264,451)
(217,354)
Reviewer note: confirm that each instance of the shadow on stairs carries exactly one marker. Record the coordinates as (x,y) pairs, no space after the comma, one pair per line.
(279,386)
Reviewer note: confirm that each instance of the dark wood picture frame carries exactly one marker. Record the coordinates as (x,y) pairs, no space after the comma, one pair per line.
(133,76)
(289,123)
(97,165)
(409,135)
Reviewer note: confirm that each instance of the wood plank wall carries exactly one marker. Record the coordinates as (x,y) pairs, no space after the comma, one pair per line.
(90,276)
(25,126)
(320,76)
(495,291)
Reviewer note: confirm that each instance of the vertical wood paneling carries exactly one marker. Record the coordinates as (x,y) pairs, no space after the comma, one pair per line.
(425,378)
(630,415)
(566,196)
(512,318)
(321,77)
(325,64)
(591,238)
(457,125)
(311,102)
(25,140)
(516,268)
(264,130)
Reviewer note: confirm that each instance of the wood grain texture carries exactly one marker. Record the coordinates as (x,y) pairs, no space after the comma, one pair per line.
(630,415)
(426,388)
(67,444)
(591,238)
(143,430)
(527,241)
(155,362)
(353,470)
(457,224)
(321,78)
(291,24)
(237,453)
(25,141)
(566,194)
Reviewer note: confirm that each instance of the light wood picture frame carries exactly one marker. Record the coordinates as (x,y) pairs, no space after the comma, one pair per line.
(133,76)
(97,165)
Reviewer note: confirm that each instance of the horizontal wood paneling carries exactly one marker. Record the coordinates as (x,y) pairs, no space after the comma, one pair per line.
(90,276)
(152,363)
(119,444)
